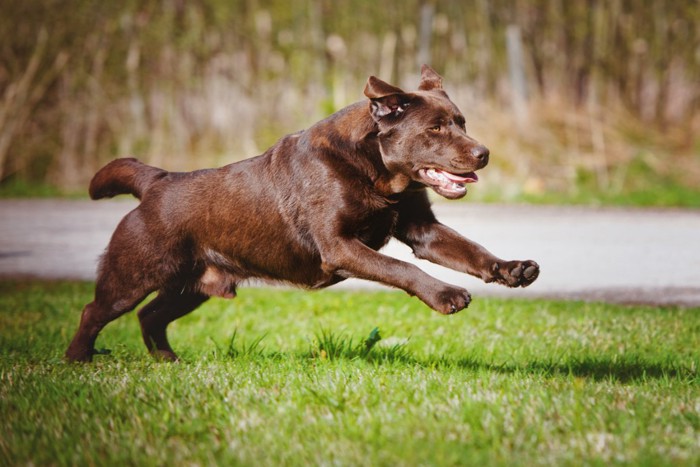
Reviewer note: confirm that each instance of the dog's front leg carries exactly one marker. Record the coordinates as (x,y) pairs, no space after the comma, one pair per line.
(351,258)
(440,244)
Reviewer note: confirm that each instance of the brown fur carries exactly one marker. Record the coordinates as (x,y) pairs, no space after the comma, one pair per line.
(311,211)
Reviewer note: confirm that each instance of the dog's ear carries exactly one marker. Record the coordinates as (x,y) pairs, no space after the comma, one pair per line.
(429,79)
(385,99)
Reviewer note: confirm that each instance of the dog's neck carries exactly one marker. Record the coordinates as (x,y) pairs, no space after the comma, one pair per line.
(352,130)
(388,184)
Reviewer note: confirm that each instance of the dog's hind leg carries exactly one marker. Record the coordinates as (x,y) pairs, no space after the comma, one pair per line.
(168,306)
(106,307)
(131,268)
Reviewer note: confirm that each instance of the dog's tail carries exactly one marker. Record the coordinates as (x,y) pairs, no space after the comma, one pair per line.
(124,176)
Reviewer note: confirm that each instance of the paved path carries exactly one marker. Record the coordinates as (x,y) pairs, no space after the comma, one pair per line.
(617,255)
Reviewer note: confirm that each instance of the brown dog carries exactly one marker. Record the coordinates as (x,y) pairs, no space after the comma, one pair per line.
(311,211)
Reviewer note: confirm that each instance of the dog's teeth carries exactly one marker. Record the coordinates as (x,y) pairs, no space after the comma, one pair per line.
(438,176)
(444,181)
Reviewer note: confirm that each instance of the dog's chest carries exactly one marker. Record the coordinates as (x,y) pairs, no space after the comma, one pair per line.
(377,228)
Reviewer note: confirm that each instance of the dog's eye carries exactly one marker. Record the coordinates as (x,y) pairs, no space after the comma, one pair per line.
(435,129)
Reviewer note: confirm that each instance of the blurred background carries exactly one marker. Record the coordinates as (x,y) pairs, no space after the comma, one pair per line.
(586,102)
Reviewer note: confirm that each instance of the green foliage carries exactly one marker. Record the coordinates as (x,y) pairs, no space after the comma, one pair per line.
(24,189)
(506,382)
(242,349)
(643,184)
(328,345)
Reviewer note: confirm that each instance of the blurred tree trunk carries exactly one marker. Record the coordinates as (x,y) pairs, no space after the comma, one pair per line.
(664,36)
(21,97)
(486,75)
(516,70)
(427,13)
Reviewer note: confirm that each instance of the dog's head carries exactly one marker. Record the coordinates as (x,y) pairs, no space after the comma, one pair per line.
(422,135)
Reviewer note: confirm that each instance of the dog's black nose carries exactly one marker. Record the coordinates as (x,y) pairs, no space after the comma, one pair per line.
(481,153)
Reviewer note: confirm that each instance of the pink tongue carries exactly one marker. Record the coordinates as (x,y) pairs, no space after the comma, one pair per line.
(469,178)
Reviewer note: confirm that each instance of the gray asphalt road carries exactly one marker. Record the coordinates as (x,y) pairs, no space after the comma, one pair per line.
(616,255)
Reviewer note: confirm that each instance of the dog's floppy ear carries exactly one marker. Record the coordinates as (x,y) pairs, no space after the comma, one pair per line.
(385,99)
(429,79)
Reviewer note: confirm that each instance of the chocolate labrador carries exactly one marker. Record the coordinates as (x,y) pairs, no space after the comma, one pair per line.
(313,210)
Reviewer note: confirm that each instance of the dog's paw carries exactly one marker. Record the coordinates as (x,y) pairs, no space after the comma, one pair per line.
(450,300)
(515,273)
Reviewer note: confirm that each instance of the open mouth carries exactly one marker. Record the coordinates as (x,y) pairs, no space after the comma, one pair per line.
(447,184)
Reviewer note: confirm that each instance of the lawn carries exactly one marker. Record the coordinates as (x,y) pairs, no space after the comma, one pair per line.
(279,377)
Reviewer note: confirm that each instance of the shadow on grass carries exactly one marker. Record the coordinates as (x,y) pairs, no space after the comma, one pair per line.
(624,368)
(628,368)
(327,346)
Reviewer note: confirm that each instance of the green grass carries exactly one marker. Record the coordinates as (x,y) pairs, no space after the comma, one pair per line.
(280,377)
(647,191)
(25,189)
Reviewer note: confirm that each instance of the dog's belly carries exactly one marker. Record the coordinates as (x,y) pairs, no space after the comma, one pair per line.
(277,258)
(225,270)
